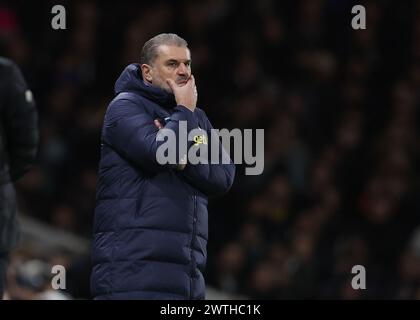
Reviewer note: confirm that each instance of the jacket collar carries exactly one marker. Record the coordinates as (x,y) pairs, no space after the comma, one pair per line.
(131,80)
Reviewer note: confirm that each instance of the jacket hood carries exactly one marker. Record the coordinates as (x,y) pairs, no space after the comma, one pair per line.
(131,80)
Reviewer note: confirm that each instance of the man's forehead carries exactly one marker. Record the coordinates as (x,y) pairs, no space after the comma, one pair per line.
(167,52)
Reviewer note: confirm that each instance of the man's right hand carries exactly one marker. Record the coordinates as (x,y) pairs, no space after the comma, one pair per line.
(185,95)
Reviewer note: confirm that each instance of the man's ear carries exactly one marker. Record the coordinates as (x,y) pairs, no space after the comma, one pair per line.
(147,72)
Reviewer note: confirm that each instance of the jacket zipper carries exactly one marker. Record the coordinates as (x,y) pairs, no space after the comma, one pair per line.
(192,243)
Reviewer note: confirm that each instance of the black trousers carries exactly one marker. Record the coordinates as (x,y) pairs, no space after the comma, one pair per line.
(4,260)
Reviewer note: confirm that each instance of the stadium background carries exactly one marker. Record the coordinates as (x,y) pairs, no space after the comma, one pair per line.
(340,112)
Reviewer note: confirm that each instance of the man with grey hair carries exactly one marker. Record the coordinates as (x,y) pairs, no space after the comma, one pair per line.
(151,219)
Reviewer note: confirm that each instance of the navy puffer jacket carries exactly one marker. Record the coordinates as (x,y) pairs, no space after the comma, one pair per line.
(151,220)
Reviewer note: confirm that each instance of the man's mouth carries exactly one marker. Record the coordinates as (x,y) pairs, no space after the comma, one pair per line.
(182,82)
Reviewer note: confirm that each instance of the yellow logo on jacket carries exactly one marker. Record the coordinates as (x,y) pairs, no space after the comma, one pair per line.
(200,139)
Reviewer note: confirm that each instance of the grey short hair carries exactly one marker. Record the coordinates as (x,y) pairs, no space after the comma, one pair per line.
(149,51)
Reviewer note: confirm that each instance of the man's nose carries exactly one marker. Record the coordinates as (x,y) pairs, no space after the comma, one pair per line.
(182,69)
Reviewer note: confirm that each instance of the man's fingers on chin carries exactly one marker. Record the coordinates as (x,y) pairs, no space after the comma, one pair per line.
(170,83)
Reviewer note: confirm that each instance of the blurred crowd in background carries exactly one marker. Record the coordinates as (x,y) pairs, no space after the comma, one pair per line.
(340,112)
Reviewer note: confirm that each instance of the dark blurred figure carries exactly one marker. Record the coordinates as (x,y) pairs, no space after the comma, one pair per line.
(18,145)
